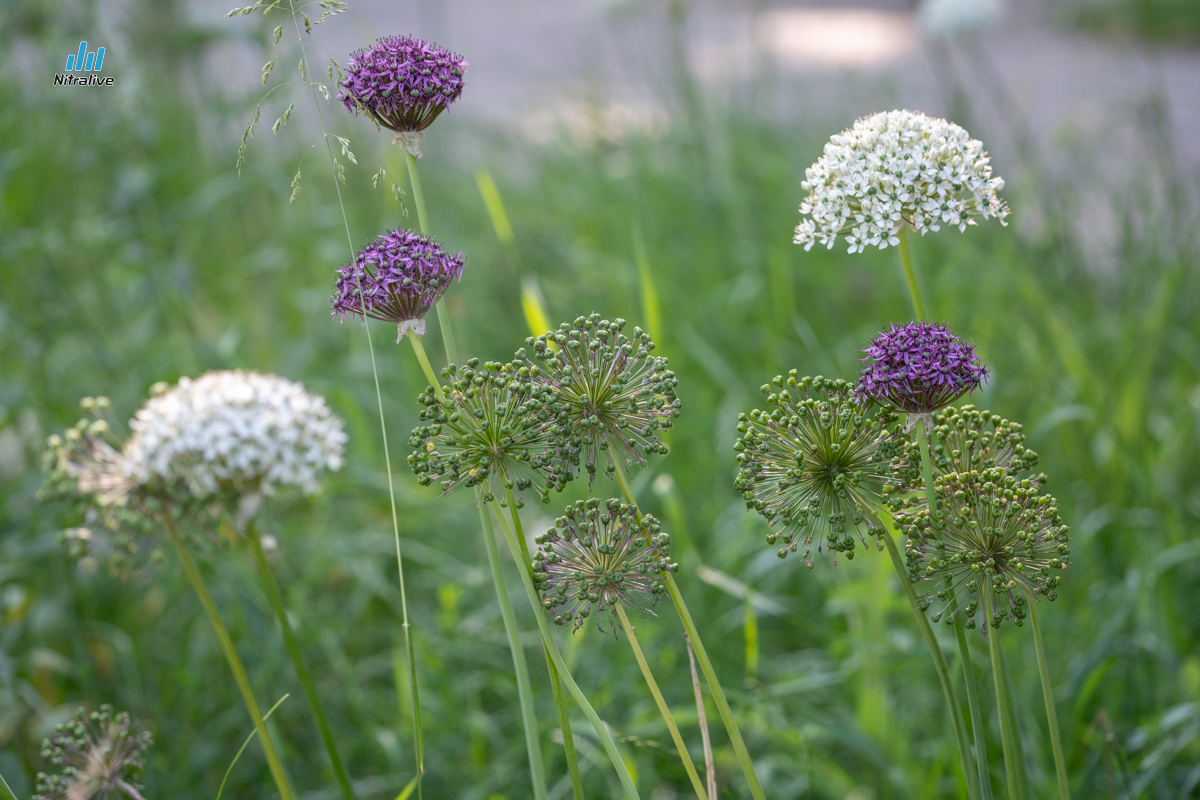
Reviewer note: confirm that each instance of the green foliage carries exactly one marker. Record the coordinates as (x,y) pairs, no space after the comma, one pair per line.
(131,252)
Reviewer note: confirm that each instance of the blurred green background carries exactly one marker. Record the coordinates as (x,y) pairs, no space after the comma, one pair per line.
(131,252)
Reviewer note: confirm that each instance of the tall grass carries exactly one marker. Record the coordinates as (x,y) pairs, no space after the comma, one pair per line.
(130,252)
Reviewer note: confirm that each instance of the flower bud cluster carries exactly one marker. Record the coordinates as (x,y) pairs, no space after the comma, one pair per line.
(996,538)
(617,395)
(815,464)
(893,169)
(499,423)
(598,555)
(402,82)
(396,278)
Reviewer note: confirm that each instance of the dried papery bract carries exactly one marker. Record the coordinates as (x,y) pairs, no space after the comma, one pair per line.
(815,465)
(403,84)
(997,534)
(919,368)
(99,755)
(396,278)
(618,396)
(597,555)
(499,424)
(893,169)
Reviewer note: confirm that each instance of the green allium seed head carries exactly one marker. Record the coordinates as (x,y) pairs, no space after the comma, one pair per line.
(498,425)
(815,464)
(597,555)
(961,440)
(97,755)
(617,395)
(997,534)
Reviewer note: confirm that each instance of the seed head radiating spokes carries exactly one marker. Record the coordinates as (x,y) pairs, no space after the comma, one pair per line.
(396,278)
(598,555)
(919,368)
(962,440)
(815,465)
(893,169)
(99,755)
(498,424)
(997,534)
(402,82)
(617,395)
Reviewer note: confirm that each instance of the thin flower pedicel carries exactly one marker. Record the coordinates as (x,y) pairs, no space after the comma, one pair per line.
(815,465)
(400,275)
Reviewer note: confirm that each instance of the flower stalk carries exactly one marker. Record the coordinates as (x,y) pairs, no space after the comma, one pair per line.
(271,588)
(414,175)
(235,662)
(710,675)
(663,708)
(1008,728)
(1060,763)
(910,275)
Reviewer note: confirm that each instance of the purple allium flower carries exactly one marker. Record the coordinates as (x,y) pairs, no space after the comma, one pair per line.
(998,540)
(596,556)
(919,368)
(402,274)
(402,83)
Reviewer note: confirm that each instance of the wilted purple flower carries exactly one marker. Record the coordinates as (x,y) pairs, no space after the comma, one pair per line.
(402,274)
(402,83)
(919,368)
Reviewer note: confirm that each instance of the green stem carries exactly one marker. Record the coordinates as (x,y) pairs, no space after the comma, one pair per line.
(7,792)
(663,708)
(964,650)
(1007,726)
(564,719)
(418,745)
(710,675)
(965,754)
(537,770)
(235,662)
(610,746)
(426,367)
(1011,709)
(414,175)
(1060,763)
(909,275)
(271,588)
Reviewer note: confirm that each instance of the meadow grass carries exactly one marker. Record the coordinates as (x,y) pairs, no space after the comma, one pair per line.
(130,252)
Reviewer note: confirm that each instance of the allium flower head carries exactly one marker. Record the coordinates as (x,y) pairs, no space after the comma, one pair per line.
(99,756)
(617,395)
(235,431)
(596,556)
(499,424)
(893,169)
(402,83)
(401,275)
(919,368)
(962,440)
(815,465)
(997,534)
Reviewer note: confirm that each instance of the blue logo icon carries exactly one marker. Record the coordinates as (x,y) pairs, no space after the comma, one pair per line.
(92,62)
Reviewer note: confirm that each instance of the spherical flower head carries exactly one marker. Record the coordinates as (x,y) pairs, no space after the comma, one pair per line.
(919,368)
(402,82)
(598,555)
(234,431)
(98,755)
(996,535)
(617,395)
(893,169)
(815,465)
(962,440)
(396,278)
(499,424)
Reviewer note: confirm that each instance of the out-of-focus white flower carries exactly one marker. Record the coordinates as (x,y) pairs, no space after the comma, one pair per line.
(235,430)
(945,19)
(892,169)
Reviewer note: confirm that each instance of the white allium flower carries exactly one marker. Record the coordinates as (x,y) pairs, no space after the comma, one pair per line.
(945,19)
(235,430)
(896,168)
